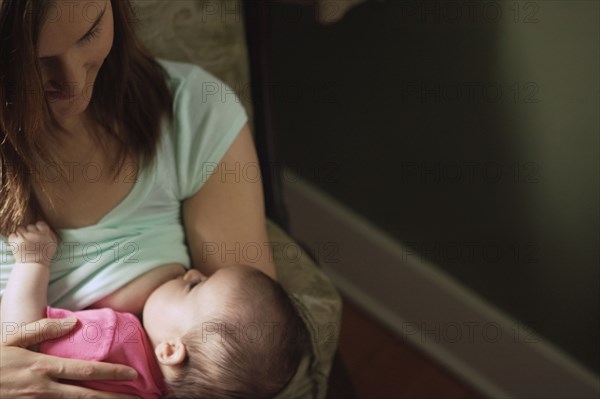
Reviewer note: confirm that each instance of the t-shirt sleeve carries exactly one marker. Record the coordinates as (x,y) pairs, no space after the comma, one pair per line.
(208,115)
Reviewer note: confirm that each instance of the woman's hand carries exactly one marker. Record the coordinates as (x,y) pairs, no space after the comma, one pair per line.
(24,373)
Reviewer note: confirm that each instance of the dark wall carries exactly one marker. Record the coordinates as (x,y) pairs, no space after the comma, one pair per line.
(469,134)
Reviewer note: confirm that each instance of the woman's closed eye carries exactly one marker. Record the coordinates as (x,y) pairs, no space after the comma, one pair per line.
(93,34)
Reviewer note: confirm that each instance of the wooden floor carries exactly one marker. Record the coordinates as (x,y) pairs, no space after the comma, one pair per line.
(382,365)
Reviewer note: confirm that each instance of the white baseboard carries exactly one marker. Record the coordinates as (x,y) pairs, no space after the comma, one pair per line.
(474,340)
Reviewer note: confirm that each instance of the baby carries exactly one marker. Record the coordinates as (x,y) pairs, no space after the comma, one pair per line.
(234,334)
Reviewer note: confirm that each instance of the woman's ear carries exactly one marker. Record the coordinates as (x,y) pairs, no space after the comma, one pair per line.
(171,352)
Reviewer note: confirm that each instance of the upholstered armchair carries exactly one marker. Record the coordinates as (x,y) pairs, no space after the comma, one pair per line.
(227,38)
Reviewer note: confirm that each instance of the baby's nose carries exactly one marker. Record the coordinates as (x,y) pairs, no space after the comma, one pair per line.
(194,275)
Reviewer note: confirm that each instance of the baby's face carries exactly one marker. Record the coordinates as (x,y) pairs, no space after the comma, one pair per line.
(186,301)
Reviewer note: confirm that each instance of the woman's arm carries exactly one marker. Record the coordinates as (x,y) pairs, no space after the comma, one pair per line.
(225,220)
(24,373)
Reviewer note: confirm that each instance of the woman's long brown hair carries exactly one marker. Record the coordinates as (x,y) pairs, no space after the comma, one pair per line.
(130,98)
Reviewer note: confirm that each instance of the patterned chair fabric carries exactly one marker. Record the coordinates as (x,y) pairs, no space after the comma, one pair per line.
(210,33)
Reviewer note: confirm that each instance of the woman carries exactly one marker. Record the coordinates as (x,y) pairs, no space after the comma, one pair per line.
(82,112)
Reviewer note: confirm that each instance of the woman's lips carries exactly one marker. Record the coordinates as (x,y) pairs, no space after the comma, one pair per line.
(57,95)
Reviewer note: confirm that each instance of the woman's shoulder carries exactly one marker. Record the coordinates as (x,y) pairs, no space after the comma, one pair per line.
(176,69)
(185,75)
(201,100)
(208,116)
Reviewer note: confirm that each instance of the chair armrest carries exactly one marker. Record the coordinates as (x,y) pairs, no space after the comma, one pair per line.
(320,306)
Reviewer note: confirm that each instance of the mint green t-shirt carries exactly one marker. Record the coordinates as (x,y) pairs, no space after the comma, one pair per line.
(145,229)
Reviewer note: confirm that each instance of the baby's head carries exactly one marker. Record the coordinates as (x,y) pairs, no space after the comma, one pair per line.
(235,334)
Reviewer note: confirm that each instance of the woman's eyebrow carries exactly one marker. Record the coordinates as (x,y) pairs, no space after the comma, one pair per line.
(96,22)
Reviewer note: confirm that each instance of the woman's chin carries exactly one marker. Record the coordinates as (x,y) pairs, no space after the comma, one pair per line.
(71,121)
(67,109)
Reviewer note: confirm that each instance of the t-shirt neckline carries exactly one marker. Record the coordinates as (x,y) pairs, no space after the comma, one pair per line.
(121,205)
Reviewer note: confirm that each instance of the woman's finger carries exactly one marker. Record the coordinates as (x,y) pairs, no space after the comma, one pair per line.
(72,369)
(36,332)
(20,233)
(74,392)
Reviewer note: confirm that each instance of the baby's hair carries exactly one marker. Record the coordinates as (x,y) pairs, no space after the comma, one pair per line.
(250,349)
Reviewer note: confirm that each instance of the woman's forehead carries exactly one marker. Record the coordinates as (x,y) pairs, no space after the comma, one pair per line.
(67,22)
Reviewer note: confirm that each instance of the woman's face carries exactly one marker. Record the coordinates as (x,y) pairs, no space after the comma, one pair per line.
(74,40)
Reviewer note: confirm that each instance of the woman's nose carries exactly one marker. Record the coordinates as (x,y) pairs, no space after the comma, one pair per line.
(68,76)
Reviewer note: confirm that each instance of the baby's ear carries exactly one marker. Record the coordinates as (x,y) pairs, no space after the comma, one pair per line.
(171,352)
